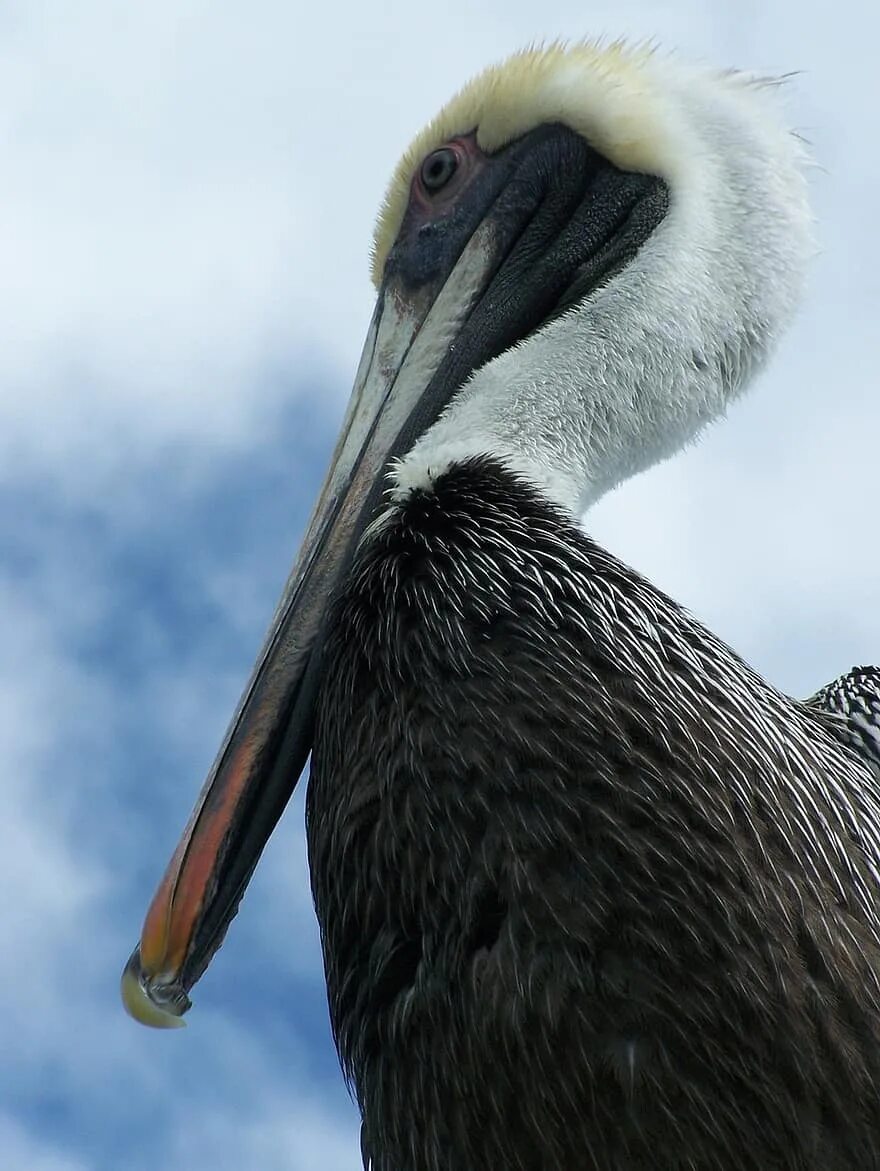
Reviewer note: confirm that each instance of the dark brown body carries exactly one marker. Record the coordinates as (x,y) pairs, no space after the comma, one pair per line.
(576,909)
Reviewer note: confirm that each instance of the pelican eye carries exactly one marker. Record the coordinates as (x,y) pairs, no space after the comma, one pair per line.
(438,168)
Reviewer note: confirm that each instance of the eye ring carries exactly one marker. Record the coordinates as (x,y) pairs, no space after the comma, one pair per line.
(438,169)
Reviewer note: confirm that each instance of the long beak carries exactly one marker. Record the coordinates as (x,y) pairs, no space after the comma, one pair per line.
(532,230)
(269,737)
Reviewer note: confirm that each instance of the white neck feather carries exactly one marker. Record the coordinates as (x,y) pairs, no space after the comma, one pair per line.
(645,362)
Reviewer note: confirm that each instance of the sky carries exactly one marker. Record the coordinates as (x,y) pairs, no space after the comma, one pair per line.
(188,191)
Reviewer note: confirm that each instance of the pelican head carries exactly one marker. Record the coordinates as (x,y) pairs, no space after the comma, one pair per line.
(579,262)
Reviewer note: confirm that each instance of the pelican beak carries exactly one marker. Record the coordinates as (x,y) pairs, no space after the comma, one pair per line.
(269,738)
(519,238)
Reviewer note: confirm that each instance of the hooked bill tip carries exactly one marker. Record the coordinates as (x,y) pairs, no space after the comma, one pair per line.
(161,1006)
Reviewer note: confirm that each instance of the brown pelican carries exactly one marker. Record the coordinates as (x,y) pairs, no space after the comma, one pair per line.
(592,894)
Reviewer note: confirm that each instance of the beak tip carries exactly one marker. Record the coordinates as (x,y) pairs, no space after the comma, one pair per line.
(137,991)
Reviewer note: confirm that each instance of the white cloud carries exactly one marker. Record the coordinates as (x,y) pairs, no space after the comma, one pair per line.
(74,843)
(50,882)
(188,197)
(23,1151)
(280,1136)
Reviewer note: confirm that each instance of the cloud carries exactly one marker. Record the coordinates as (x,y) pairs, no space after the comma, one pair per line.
(189,194)
(123,661)
(22,1150)
(276,1137)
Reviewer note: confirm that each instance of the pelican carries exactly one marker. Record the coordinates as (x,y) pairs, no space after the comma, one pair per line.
(592,893)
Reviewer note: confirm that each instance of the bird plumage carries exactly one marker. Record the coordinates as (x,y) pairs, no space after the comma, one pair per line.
(592,894)
(644,360)
(853,704)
